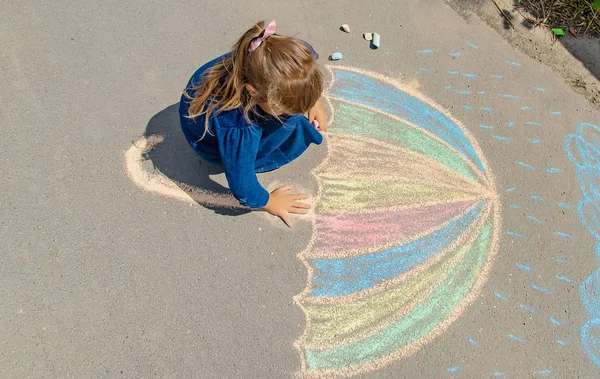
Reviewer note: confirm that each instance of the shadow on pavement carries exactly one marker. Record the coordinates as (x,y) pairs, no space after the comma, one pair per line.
(586,50)
(175,159)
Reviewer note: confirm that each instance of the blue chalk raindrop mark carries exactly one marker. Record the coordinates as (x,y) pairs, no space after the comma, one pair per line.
(426,51)
(536,220)
(453,369)
(453,72)
(564,279)
(500,296)
(501,138)
(526,108)
(553,170)
(533,123)
(462,92)
(497,373)
(540,289)
(539,89)
(513,234)
(505,95)
(511,189)
(526,308)
(556,113)
(561,260)
(513,206)
(447,87)
(456,54)
(561,343)
(524,267)
(564,205)
(513,337)
(564,235)
(537,198)
(489,127)
(516,64)
(472,45)
(535,141)
(470,76)
(472,341)
(554,321)
(425,69)
(511,123)
(486,109)
(530,167)
(544,372)
(481,92)
(467,107)
(497,76)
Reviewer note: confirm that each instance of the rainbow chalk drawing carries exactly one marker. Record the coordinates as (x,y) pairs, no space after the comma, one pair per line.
(583,149)
(406,227)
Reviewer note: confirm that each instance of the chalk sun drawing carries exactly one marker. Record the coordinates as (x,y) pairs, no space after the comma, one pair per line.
(405,229)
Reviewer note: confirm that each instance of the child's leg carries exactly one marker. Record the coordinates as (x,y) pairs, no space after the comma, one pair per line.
(282,144)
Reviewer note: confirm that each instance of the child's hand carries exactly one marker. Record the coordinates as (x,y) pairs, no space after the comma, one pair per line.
(281,204)
(318,113)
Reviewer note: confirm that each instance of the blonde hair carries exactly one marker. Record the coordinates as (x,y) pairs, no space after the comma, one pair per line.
(282,70)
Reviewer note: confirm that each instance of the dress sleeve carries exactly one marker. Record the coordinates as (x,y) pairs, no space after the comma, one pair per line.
(238,147)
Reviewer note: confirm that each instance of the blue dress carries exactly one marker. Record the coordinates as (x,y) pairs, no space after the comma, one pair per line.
(246,148)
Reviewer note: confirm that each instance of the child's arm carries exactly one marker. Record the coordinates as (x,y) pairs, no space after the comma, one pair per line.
(239,147)
(318,113)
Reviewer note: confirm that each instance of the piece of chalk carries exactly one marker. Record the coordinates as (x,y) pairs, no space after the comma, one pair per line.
(315,123)
(368,36)
(346,28)
(376,40)
(336,56)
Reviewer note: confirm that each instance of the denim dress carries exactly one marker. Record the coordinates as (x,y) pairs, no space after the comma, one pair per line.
(245,148)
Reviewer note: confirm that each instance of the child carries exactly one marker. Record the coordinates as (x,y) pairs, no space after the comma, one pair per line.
(245,110)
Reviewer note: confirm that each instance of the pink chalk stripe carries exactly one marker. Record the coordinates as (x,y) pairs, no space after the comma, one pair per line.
(351,232)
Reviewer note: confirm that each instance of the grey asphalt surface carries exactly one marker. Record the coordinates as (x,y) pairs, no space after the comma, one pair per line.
(100,279)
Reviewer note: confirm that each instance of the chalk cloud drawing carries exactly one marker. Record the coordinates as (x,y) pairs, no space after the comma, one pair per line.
(583,149)
(405,229)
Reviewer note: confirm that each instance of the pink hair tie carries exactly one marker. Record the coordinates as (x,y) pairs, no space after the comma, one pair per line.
(269,31)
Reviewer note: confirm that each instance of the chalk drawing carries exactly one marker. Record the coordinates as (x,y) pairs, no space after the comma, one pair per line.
(539,89)
(497,76)
(539,288)
(564,205)
(544,372)
(472,341)
(564,279)
(486,109)
(453,72)
(515,64)
(457,54)
(514,234)
(534,219)
(562,343)
(556,113)
(375,294)
(472,45)
(554,321)
(526,108)
(553,170)
(505,95)
(563,234)
(396,254)
(453,370)
(538,198)
(524,267)
(426,51)
(514,206)
(510,189)
(488,127)
(533,123)
(500,296)
(535,141)
(501,138)
(528,166)
(526,308)
(511,123)
(515,338)
(425,69)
